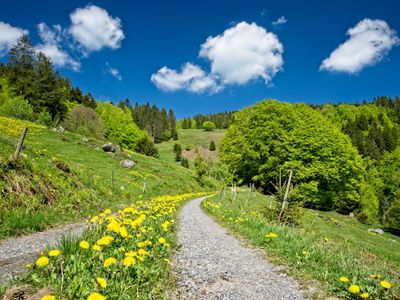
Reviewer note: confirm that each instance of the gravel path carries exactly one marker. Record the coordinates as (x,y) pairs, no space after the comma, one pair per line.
(15,253)
(214,265)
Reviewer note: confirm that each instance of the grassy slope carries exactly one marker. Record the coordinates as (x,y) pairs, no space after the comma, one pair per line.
(335,246)
(37,194)
(194,138)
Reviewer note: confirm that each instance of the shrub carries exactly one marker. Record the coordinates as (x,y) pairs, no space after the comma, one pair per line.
(147,147)
(85,121)
(200,166)
(208,126)
(17,107)
(212,146)
(178,151)
(185,162)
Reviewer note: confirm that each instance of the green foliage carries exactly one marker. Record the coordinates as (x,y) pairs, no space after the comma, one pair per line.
(177,149)
(208,126)
(17,107)
(212,146)
(147,147)
(271,136)
(201,167)
(185,162)
(221,120)
(85,121)
(119,126)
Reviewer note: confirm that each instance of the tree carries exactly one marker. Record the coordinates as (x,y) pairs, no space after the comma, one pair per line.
(147,147)
(85,121)
(200,166)
(212,146)
(178,151)
(17,107)
(208,126)
(185,162)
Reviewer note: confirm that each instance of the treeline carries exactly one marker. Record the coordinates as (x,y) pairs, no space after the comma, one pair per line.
(31,89)
(221,120)
(345,157)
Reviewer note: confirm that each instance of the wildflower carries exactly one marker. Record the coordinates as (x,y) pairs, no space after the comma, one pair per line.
(375,276)
(42,262)
(123,232)
(355,289)
(101,282)
(54,252)
(386,284)
(84,244)
(107,211)
(48,297)
(96,296)
(28,266)
(128,261)
(271,235)
(305,252)
(109,261)
(343,279)
(105,240)
(364,295)
(96,248)
(162,241)
(94,219)
(167,260)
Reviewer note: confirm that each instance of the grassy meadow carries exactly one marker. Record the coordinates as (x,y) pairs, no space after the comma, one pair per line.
(64,178)
(327,252)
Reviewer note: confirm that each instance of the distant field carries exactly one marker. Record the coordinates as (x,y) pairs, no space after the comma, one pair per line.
(193,139)
(64,178)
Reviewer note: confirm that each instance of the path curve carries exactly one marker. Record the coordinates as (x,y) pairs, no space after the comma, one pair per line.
(16,252)
(212,264)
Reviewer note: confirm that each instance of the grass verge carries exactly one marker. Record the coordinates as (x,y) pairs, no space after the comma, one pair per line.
(329,253)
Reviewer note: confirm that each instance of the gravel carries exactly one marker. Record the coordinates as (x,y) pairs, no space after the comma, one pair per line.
(15,253)
(212,264)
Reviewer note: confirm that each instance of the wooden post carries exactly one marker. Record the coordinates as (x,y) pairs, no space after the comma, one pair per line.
(284,202)
(20,144)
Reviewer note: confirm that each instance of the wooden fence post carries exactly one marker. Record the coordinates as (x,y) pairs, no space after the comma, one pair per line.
(20,144)
(284,202)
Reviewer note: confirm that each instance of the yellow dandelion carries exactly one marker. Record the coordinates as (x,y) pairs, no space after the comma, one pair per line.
(96,248)
(28,266)
(101,282)
(48,297)
(54,252)
(355,289)
(84,245)
(305,252)
(162,241)
(96,296)
(375,276)
(128,261)
(109,261)
(42,262)
(271,235)
(343,279)
(364,295)
(386,284)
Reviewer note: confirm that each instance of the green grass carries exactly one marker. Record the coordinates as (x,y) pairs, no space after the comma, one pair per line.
(193,138)
(37,194)
(324,247)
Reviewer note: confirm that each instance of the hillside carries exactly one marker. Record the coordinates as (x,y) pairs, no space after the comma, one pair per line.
(64,177)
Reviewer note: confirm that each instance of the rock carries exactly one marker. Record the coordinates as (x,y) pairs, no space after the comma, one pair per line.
(23,155)
(60,129)
(118,148)
(351,215)
(85,139)
(379,231)
(108,147)
(127,163)
(41,293)
(17,293)
(371,230)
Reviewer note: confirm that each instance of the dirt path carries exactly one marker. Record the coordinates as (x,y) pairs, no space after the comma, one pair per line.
(15,253)
(214,265)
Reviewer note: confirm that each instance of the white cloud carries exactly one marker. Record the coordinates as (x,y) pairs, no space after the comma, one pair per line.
(9,35)
(243,53)
(280,21)
(191,78)
(51,46)
(95,29)
(369,42)
(113,71)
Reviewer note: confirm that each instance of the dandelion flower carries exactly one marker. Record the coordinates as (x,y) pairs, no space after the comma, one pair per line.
(48,297)
(162,241)
(84,245)
(271,235)
(42,262)
(375,276)
(386,284)
(96,296)
(305,252)
(28,266)
(343,279)
(101,282)
(54,252)
(128,261)
(364,295)
(109,261)
(355,289)
(96,248)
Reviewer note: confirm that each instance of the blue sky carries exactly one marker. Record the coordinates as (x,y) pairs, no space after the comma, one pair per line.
(322,51)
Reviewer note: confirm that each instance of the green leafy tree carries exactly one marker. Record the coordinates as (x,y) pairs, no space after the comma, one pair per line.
(147,147)
(85,121)
(201,167)
(208,126)
(17,107)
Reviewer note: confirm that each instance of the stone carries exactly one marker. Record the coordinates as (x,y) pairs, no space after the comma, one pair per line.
(60,129)
(108,147)
(379,231)
(127,163)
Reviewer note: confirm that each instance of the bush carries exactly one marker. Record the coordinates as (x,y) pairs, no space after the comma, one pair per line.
(178,151)
(212,146)
(201,167)
(147,147)
(208,126)
(85,121)
(185,162)
(17,107)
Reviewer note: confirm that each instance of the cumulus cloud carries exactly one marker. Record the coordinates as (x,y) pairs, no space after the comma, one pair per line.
(280,21)
(243,53)
(190,78)
(93,28)
(51,46)
(368,43)
(113,71)
(9,35)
